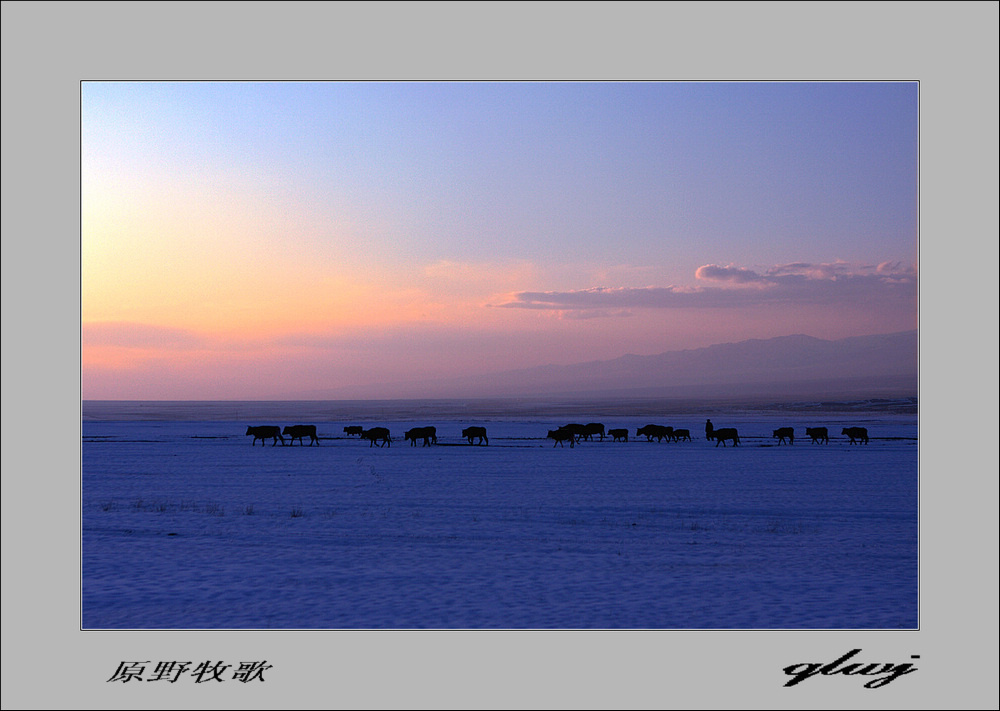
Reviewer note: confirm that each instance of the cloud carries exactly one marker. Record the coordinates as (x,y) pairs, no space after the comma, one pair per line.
(836,283)
(596,313)
(809,271)
(735,275)
(602,298)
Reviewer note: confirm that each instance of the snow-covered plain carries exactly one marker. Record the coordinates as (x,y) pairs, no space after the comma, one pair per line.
(187,525)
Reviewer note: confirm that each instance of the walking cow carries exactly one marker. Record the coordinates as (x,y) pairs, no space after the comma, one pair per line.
(427,434)
(858,435)
(377,434)
(561,436)
(725,433)
(591,429)
(577,430)
(818,435)
(471,433)
(784,432)
(265,432)
(660,432)
(297,432)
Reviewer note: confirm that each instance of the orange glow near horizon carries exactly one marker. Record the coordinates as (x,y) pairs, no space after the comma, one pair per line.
(245,280)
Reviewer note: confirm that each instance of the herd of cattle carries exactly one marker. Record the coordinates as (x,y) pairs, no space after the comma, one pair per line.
(573,433)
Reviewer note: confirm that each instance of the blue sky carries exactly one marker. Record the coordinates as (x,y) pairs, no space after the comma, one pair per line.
(572,220)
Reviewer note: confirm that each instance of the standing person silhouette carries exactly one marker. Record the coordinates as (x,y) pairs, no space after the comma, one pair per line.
(708,429)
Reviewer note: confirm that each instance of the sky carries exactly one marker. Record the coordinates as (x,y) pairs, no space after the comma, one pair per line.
(248,240)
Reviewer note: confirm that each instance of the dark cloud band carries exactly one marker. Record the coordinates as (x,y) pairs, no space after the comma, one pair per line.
(830,284)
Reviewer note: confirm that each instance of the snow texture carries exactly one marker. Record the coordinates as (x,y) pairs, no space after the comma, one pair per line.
(187,524)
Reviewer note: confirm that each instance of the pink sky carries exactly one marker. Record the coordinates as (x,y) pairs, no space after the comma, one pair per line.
(245,241)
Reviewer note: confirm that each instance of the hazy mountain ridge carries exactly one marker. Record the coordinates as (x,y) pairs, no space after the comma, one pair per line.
(796,367)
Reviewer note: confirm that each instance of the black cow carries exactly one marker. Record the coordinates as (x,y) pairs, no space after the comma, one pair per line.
(660,432)
(579,431)
(858,435)
(353,430)
(818,435)
(730,433)
(377,434)
(591,429)
(265,432)
(471,433)
(620,435)
(678,435)
(562,435)
(427,434)
(782,432)
(297,432)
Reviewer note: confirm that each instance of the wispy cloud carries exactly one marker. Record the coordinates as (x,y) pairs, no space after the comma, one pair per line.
(731,275)
(798,282)
(599,313)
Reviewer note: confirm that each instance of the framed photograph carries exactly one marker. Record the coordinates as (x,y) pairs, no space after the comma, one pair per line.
(399,360)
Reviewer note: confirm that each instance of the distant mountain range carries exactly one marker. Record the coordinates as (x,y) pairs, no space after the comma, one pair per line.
(794,367)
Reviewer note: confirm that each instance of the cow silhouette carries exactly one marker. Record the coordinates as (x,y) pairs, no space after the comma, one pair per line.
(858,435)
(427,434)
(726,433)
(591,429)
(353,430)
(263,432)
(561,436)
(297,432)
(579,431)
(471,433)
(620,435)
(818,435)
(660,432)
(784,432)
(377,434)
(678,435)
